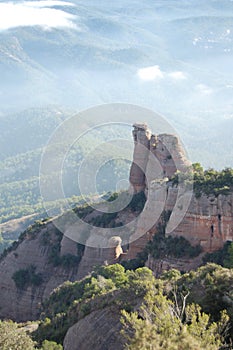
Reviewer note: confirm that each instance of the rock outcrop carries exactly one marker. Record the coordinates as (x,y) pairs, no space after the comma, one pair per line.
(99,256)
(45,248)
(100,330)
(208,222)
(35,249)
(205,221)
(158,266)
(142,136)
(155,156)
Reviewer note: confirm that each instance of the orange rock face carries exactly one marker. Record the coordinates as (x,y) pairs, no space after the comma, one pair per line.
(205,223)
(207,220)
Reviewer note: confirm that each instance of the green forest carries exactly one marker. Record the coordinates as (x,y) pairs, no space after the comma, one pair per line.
(177,311)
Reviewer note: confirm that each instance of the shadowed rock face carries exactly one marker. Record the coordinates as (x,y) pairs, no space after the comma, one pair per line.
(36,249)
(99,330)
(25,304)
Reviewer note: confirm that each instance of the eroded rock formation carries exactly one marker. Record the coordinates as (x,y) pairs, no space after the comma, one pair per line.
(44,247)
(207,220)
(155,156)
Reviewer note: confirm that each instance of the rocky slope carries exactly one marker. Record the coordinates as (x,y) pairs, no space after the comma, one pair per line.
(35,249)
(48,257)
(55,259)
(40,243)
(84,335)
(11,229)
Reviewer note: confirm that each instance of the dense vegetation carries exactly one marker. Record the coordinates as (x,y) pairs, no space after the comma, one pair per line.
(209,182)
(223,257)
(212,181)
(190,311)
(13,336)
(177,311)
(160,324)
(27,277)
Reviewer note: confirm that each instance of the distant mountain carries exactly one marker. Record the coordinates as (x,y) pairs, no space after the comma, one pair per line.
(100,52)
(23,140)
(28,130)
(173,57)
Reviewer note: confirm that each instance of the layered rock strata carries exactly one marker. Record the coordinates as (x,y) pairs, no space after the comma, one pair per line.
(207,220)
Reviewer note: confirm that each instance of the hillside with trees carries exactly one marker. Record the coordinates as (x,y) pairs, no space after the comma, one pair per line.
(189,311)
(177,310)
(20,164)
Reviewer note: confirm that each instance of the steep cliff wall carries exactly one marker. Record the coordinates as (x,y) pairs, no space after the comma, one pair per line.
(141,136)
(35,249)
(206,220)
(155,156)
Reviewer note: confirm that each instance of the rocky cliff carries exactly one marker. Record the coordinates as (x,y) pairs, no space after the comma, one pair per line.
(155,156)
(55,258)
(99,330)
(35,249)
(44,254)
(206,220)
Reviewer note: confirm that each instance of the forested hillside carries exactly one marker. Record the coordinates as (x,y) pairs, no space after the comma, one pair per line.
(190,311)
(23,138)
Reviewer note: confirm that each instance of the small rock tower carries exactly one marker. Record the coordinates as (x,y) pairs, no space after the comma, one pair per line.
(155,157)
(141,136)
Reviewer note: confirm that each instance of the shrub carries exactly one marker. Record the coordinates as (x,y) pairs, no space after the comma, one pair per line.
(24,278)
(177,247)
(51,345)
(137,202)
(219,257)
(14,338)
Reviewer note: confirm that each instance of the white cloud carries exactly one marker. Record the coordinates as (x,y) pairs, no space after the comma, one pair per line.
(204,89)
(33,13)
(177,75)
(153,73)
(47,3)
(196,40)
(228,116)
(150,73)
